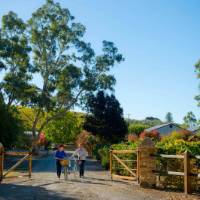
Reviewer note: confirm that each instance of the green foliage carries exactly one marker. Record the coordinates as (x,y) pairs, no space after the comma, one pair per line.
(117,168)
(101,152)
(67,65)
(198,135)
(152,121)
(175,144)
(190,120)
(64,130)
(106,119)
(95,152)
(27,115)
(137,128)
(15,56)
(10,125)
(23,141)
(148,121)
(104,156)
(125,146)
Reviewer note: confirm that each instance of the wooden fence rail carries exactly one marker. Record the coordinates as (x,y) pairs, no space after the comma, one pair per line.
(145,169)
(114,157)
(26,156)
(186,172)
(15,165)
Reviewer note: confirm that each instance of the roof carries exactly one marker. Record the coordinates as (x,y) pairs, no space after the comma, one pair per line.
(161,126)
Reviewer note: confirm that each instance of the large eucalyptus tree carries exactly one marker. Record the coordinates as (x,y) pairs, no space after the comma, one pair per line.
(14,58)
(51,45)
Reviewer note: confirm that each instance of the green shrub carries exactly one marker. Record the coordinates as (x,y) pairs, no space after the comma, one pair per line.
(172,145)
(95,152)
(128,159)
(176,143)
(137,128)
(104,156)
(125,146)
(101,152)
(198,135)
(10,125)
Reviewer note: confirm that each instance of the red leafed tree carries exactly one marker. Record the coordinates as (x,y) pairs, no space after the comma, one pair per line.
(155,135)
(87,140)
(132,137)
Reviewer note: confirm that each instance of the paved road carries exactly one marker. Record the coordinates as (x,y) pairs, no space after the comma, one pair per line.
(97,185)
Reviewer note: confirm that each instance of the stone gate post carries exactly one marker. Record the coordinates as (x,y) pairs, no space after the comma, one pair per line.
(146,163)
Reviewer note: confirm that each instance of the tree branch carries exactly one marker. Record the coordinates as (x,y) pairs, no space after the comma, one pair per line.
(26,115)
(61,113)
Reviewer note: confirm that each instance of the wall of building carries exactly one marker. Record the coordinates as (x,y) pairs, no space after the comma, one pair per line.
(168,129)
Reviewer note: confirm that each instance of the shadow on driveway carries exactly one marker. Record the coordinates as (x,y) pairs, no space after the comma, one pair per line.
(15,192)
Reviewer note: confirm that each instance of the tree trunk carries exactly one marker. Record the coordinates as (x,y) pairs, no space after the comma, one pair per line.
(35,147)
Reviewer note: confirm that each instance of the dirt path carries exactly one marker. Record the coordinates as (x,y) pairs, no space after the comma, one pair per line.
(97,185)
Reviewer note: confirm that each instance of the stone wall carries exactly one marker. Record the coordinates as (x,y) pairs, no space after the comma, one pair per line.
(146,163)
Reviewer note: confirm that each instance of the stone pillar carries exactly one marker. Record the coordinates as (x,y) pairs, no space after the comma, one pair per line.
(146,163)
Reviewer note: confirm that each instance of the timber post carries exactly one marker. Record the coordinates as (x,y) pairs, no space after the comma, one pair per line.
(111,165)
(187,178)
(138,164)
(146,163)
(30,164)
(1,161)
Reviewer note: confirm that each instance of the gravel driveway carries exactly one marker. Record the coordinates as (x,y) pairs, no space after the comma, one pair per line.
(97,185)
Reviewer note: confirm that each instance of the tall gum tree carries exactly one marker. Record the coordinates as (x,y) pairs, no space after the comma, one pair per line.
(14,59)
(68,66)
(51,45)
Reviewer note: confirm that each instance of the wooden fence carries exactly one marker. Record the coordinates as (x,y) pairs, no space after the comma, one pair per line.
(127,165)
(144,167)
(186,173)
(26,156)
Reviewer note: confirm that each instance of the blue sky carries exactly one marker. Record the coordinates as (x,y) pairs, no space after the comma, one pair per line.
(159,40)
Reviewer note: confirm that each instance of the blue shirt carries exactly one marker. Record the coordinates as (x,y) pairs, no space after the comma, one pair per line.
(60,154)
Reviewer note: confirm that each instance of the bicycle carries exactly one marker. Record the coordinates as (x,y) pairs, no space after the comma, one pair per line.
(69,166)
(65,165)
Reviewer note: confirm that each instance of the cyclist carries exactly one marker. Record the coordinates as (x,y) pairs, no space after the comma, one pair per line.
(60,155)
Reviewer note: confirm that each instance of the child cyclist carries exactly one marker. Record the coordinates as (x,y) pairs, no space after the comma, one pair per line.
(59,156)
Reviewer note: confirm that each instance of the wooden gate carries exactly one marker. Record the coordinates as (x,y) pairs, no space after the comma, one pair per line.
(123,164)
(26,156)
